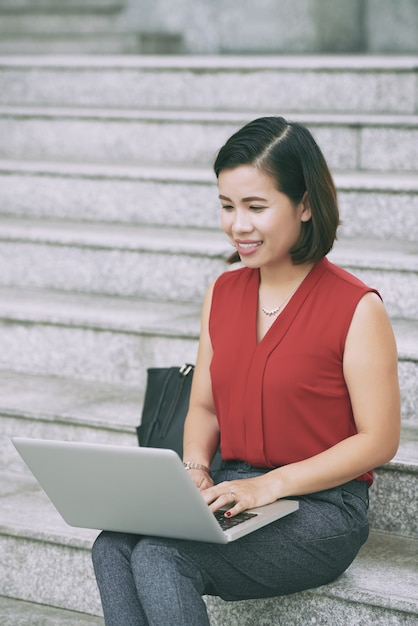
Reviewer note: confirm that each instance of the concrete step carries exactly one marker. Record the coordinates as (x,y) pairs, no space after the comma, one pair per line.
(10,7)
(14,26)
(187,196)
(393,498)
(43,560)
(379,588)
(51,563)
(148,262)
(21,613)
(46,26)
(345,84)
(59,408)
(49,408)
(71,44)
(71,410)
(114,340)
(391,267)
(350,142)
(109,340)
(169,263)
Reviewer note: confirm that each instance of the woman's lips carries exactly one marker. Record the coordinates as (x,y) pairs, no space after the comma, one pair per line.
(246,248)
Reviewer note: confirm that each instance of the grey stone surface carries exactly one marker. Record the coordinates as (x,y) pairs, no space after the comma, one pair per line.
(143,201)
(60,428)
(380,206)
(396,288)
(48,26)
(394,494)
(266,27)
(42,558)
(83,353)
(391,215)
(152,274)
(21,613)
(57,24)
(409,389)
(115,340)
(114,272)
(389,149)
(276,84)
(89,354)
(96,157)
(57,6)
(360,596)
(390,25)
(70,402)
(52,408)
(391,268)
(201,27)
(41,572)
(171,264)
(277,26)
(123,137)
(43,544)
(100,339)
(157,137)
(407,338)
(84,43)
(128,315)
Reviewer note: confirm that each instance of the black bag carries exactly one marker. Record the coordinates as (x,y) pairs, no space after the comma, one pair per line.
(165,408)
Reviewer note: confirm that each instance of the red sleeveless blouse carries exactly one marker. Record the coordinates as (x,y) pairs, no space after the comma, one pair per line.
(283,399)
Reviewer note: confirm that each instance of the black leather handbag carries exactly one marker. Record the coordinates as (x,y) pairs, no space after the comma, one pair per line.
(166,403)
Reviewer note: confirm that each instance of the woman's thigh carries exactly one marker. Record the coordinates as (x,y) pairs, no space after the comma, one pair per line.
(305,549)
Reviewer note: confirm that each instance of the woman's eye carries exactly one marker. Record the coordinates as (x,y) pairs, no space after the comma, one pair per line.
(257,208)
(227,207)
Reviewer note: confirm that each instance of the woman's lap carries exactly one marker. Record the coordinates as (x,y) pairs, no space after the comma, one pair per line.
(307,548)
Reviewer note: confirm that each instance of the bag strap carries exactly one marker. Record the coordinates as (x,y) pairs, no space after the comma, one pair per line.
(154,420)
(182,372)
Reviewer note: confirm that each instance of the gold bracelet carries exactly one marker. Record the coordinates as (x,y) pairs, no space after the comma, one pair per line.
(188,465)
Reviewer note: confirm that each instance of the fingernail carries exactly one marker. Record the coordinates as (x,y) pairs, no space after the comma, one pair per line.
(228,514)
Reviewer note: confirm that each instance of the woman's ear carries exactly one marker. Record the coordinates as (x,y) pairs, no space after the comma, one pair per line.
(306,208)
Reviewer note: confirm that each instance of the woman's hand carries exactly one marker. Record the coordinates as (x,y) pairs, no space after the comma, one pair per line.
(239,495)
(201,479)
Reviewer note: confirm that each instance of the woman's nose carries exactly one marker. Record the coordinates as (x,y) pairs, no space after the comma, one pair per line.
(242,222)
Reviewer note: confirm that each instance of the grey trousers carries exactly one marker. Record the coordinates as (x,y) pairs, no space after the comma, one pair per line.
(151,581)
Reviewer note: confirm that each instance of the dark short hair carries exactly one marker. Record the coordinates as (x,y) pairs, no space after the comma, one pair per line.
(288,152)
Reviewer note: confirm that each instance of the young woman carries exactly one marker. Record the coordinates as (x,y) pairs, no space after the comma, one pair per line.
(296,378)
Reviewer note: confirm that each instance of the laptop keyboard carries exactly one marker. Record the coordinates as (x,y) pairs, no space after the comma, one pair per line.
(229,522)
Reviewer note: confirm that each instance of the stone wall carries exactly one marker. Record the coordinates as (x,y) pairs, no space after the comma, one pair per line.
(275,26)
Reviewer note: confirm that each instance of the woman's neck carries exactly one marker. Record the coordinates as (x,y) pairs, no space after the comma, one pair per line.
(283,278)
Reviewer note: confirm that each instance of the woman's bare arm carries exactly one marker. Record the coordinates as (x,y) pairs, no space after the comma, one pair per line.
(201,431)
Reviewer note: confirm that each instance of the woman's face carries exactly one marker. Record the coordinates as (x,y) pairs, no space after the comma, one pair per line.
(261,222)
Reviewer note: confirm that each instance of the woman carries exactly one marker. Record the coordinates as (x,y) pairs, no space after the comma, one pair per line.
(296,377)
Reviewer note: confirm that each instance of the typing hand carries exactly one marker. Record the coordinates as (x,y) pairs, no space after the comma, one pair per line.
(238,495)
(201,479)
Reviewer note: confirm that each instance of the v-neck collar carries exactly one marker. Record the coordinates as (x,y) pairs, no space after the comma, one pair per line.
(282,323)
(261,350)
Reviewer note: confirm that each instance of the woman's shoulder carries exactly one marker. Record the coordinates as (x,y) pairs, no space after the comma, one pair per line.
(345,279)
(232,284)
(235,275)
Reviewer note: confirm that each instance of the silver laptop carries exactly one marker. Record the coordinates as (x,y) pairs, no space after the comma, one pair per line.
(135,490)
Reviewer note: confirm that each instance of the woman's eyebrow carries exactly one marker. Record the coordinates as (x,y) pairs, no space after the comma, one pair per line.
(248,199)
(254,198)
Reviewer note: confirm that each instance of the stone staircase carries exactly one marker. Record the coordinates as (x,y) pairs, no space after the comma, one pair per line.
(65,27)
(108,238)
